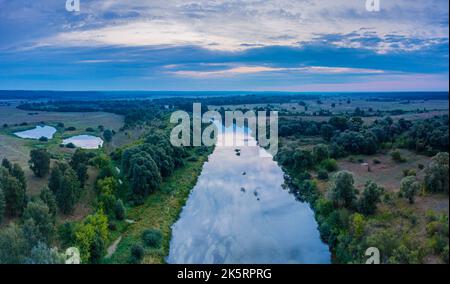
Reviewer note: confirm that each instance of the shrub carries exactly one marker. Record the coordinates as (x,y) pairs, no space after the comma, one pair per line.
(397,156)
(119,210)
(436,174)
(71,146)
(107,135)
(137,253)
(152,238)
(409,187)
(89,129)
(71,128)
(322,174)
(112,226)
(371,195)
(376,161)
(408,172)
(192,159)
(43,139)
(329,164)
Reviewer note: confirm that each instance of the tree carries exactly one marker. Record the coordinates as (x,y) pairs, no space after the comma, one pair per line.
(397,156)
(327,131)
(144,175)
(50,200)
(152,238)
(107,186)
(14,193)
(42,254)
(17,172)
(339,122)
(12,245)
(38,212)
(39,162)
(69,191)
(343,193)
(370,197)
(119,210)
(6,164)
(137,253)
(320,153)
(87,233)
(82,174)
(108,135)
(329,164)
(54,183)
(97,249)
(303,160)
(79,163)
(436,174)
(409,186)
(65,186)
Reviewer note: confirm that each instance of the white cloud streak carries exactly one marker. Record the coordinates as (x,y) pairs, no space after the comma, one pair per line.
(227,25)
(244,70)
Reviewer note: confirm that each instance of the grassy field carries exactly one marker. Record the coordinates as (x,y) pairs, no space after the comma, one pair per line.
(387,173)
(341,105)
(11,115)
(159,211)
(17,150)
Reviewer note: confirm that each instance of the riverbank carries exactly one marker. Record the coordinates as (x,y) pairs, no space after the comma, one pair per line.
(160,210)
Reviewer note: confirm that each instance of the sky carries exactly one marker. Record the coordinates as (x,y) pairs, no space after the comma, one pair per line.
(220,45)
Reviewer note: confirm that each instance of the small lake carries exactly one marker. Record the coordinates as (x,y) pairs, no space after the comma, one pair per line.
(85,141)
(238,212)
(37,132)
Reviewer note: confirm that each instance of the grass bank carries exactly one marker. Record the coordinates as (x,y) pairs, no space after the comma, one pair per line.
(160,210)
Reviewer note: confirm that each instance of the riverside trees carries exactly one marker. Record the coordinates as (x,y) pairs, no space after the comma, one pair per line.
(39,162)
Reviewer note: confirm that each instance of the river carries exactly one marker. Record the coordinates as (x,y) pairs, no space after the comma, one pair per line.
(238,212)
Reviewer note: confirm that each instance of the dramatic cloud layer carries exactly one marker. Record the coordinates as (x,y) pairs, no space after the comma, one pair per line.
(224,44)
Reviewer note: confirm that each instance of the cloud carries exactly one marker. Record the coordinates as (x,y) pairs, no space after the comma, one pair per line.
(226,25)
(243,70)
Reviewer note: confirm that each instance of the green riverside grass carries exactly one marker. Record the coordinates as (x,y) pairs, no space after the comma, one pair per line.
(160,211)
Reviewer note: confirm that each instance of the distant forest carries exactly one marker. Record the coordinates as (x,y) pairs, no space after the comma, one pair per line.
(220,95)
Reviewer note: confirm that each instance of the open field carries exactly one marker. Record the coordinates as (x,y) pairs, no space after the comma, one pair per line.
(340,105)
(388,173)
(11,115)
(17,150)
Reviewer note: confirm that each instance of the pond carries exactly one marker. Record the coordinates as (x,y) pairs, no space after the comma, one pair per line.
(37,132)
(238,212)
(85,141)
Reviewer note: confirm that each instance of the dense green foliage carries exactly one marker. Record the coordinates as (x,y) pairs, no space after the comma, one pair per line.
(343,193)
(65,186)
(39,162)
(146,164)
(409,187)
(371,195)
(437,174)
(152,238)
(14,191)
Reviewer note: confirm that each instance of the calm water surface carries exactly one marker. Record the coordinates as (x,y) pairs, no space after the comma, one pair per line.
(37,132)
(85,141)
(238,212)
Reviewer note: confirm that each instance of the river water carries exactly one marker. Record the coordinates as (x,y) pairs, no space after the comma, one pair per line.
(238,212)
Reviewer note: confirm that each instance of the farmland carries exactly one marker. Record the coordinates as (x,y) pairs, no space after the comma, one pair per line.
(375,146)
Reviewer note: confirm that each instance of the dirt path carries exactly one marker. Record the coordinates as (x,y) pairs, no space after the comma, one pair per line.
(112,248)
